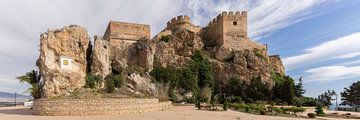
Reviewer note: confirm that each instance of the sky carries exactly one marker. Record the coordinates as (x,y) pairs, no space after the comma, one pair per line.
(318,40)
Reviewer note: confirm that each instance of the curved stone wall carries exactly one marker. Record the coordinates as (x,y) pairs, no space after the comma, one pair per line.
(97,106)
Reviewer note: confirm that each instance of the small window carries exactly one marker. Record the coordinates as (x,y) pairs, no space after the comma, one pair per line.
(234,23)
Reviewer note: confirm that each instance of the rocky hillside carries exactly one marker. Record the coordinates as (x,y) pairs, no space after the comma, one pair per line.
(67,59)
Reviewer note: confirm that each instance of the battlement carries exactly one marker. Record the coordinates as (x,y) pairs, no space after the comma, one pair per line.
(225,15)
(178,20)
(226,29)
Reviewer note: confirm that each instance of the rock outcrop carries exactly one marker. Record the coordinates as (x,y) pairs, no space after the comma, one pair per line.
(100,57)
(127,49)
(63,60)
(276,64)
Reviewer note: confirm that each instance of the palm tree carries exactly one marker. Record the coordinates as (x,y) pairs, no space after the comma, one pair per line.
(33,78)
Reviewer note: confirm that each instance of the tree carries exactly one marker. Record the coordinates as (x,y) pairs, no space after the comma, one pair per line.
(258,90)
(236,87)
(205,79)
(319,110)
(325,98)
(299,90)
(203,69)
(283,90)
(33,78)
(350,96)
(288,90)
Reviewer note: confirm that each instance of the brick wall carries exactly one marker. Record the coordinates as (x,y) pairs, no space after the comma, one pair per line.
(97,106)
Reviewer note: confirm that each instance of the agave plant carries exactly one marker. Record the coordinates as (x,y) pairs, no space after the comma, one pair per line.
(33,78)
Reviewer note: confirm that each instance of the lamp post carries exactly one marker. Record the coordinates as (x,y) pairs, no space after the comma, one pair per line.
(15,98)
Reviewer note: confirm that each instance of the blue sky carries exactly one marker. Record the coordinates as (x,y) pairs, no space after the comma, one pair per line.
(317,39)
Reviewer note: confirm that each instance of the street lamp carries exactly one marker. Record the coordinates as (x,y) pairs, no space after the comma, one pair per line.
(15,98)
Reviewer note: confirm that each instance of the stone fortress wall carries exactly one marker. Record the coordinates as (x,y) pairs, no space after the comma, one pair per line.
(97,106)
(181,22)
(229,29)
(126,31)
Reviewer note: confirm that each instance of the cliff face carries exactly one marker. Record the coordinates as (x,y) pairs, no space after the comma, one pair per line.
(63,60)
(276,64)
(65,56)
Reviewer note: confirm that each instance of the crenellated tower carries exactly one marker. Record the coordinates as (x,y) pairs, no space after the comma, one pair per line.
(226,29)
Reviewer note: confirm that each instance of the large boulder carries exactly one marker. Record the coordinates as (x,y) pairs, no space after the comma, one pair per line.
(100,58)
(63,60)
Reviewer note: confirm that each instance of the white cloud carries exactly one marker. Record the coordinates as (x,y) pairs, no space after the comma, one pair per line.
(350,55)
(329,73)
(22,21)
(344,47)
(268,16)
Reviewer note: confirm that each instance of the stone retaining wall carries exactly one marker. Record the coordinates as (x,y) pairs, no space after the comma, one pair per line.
(97,106)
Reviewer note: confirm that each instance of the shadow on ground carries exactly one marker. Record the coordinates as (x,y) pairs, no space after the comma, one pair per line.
(17,111)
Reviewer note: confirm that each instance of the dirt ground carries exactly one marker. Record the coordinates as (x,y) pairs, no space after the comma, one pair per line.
(175,113)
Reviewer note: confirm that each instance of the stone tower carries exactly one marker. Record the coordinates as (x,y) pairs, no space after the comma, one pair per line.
(227,29)
(129,32)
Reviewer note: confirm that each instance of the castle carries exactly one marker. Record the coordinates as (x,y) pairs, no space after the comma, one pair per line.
(228,29)
(128,49)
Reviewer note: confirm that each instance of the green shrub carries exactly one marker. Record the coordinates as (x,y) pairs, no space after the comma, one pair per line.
(256,107)
(248,100)
(92,81)
(225,105)
(311,115)
(241,106)
(165,38)
(277,110)
(304,101)
(113,81)
(298,109)
(262,112)
(287,110)
(319,110)
(173,96)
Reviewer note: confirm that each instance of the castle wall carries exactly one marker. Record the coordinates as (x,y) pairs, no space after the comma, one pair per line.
(213,33)
(127,31)
(181,22)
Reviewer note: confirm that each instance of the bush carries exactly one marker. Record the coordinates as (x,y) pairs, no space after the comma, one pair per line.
(262,112)
(248,100)
(287,110)
(92,81)
(114,81)
(241,106)
(319,110)
(165,38)
(225,105)
(304,101)
(311,115)
(173,96)
(298,109)
(256,107)
(277,110)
